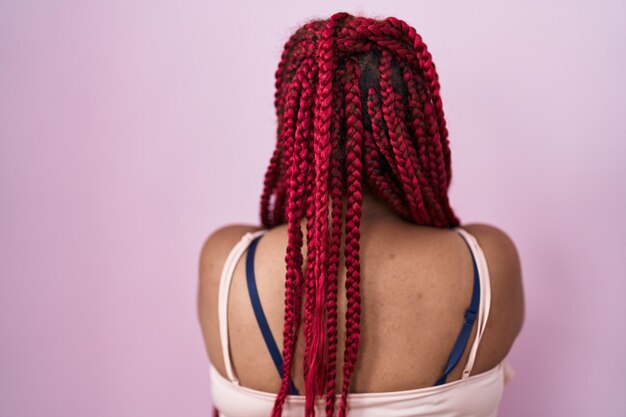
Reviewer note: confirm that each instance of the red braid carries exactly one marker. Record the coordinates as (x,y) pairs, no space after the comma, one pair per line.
(295,180)
(336,193)
(321,140)
(406,167)
(358,109)
(428,69)
(354,143)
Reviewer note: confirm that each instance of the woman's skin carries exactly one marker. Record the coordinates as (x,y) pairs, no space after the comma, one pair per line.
(416,283)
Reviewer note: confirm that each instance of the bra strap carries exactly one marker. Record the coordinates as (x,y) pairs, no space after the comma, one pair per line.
(222,301)
(260,315)
(468,323)
(485,302)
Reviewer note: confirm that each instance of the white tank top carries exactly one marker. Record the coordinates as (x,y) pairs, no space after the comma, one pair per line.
(472,396)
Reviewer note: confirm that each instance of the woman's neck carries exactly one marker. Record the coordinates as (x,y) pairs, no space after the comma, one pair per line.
(374,208)
(371,209)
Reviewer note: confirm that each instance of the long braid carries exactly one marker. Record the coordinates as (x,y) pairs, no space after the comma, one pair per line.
(379,131)
(321,138)
(405,166)
(354,143)
(416,122)
(336,192)
(377,181)
(426,128)
(430,199)
(358,106)
(300,41)
(269,182)
(271,175)
(296,185)
(290,120)
(430,74)
(310,272)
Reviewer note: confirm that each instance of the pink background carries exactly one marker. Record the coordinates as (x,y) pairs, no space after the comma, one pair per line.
(131,129)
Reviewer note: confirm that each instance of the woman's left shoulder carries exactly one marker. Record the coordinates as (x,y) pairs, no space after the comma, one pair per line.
(218,245)
(213,254)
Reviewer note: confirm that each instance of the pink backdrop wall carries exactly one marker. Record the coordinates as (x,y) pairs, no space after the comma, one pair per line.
(131,129)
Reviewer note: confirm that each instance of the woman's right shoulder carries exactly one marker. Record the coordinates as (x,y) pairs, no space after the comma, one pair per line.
(492,234)
(499,248)
(504,264)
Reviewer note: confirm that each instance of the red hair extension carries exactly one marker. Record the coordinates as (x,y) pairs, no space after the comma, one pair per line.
(336,193)
(404,153)
(358,111)
(296,177)
(431,148)
(354,144)
(378,152)
(322,147)
(379,130)
(430,74)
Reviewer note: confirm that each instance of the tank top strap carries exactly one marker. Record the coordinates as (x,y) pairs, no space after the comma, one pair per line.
(485,297)
(222,302)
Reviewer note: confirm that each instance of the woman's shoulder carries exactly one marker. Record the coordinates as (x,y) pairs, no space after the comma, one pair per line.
(494,238)
(213,254)
(449,283)
(220,242)
(223,235)
(215,250)
(503,259)
(505,272)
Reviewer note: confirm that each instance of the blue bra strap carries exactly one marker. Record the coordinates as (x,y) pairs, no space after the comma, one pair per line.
(260,316)
(466,330)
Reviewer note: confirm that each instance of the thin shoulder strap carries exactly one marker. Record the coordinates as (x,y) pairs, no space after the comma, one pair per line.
(222,302)
(468,322)
(485,297)
(261,320)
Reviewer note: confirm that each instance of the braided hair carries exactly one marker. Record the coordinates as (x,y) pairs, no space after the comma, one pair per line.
(359,109)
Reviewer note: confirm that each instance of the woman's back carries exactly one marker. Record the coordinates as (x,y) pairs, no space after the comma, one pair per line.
(416,283)
(360,123)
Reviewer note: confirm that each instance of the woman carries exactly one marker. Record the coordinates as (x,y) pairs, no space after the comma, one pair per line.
(361,294)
